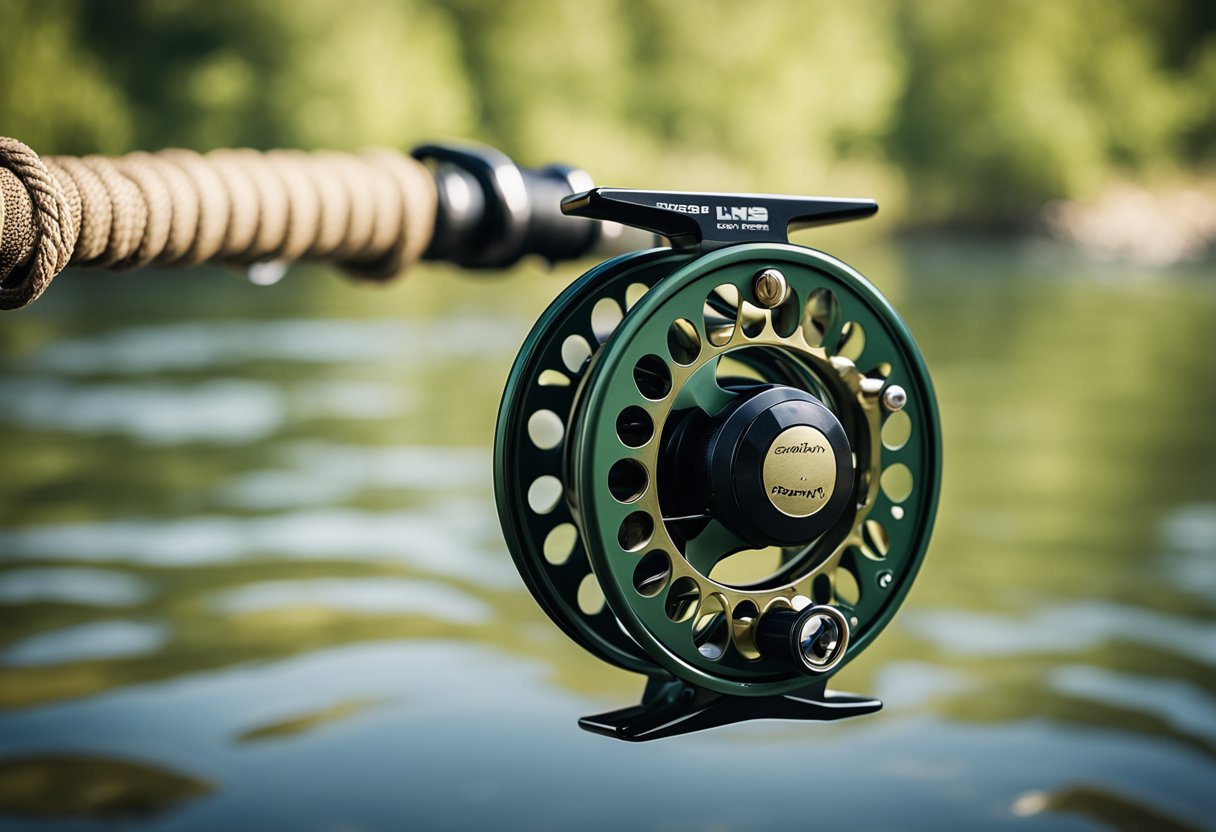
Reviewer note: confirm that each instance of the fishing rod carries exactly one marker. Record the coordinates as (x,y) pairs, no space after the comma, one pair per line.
(374,213)
(718,455)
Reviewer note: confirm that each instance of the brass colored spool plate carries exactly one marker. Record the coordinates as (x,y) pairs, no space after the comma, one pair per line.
(799,471)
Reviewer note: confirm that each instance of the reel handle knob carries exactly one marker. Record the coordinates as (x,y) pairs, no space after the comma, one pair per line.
(814,639)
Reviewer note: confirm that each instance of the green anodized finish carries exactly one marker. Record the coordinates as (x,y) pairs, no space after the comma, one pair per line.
(530,450)
(835,337)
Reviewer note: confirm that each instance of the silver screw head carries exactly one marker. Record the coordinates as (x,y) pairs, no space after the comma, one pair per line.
(894,398)
(884,579)
(771,288)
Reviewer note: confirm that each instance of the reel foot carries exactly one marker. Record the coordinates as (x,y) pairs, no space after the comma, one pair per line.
(671,707)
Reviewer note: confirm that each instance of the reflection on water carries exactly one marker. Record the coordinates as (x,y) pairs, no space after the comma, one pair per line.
(1188,534)
(292,726)
(250,570)
(1183,706)
(315,473)
(72,585)
(1064,629)
(1109,810)
(54,787)
(403,596)
(99,640)
(227,410)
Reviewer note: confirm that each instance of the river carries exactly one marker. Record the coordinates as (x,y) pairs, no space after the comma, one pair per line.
(251,574)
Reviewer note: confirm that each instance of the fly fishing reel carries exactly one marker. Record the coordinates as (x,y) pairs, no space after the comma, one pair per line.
(717,464)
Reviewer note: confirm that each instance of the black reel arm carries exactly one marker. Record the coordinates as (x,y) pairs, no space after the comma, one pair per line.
(715,220)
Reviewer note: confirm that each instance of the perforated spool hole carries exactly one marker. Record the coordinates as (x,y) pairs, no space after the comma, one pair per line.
(821,588)
(683,341)
(544,494)
(682,599)
(634,293)
(652,377)
(742,618)
(819,316)
(711,631)
(627,480)
(651,573)
(559,543)
(545,429)
(752,319)
(787,316)
(847,589)
(575,352)
(635,531)
(634,427)
(852,341)
(877,538)
(720,311)
(605,316)
(880,370)
(896,430)
(896,482)
(553,378)
(590,596)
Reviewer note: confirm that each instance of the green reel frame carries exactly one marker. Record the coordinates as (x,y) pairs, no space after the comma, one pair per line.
(635,346)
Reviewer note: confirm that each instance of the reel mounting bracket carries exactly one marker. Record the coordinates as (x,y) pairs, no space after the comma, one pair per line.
(671,707)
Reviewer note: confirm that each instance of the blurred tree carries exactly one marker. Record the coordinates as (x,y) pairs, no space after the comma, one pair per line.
(56,95)
(960,111)
(1008,104)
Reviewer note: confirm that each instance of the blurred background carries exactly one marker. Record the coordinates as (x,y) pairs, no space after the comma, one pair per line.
(250,569)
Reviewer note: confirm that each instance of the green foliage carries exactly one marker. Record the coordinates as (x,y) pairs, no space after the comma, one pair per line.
(951,110)
(1010,103)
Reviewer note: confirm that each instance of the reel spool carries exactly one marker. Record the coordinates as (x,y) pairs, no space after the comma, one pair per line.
(717,464)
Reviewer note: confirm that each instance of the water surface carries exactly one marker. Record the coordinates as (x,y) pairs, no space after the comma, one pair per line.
(251,573)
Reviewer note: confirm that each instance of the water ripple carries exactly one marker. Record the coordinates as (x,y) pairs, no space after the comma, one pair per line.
(401,596)
(1062,629)
(212,344)
(94,587)
(1190,538)
(98,640)
(324,473)
(221,410)
(155,414)
(1182,705)
(454,537)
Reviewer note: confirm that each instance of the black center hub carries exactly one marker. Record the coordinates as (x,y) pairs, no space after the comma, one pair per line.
(775,467)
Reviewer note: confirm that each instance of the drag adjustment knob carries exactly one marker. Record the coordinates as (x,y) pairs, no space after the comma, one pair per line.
(799,471)
(780,468)
(814,639)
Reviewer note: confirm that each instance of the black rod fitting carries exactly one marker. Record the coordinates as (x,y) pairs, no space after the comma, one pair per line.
(491,212)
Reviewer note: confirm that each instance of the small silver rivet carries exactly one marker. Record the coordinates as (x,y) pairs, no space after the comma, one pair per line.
(771,288)
(894,398)
(884,579)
